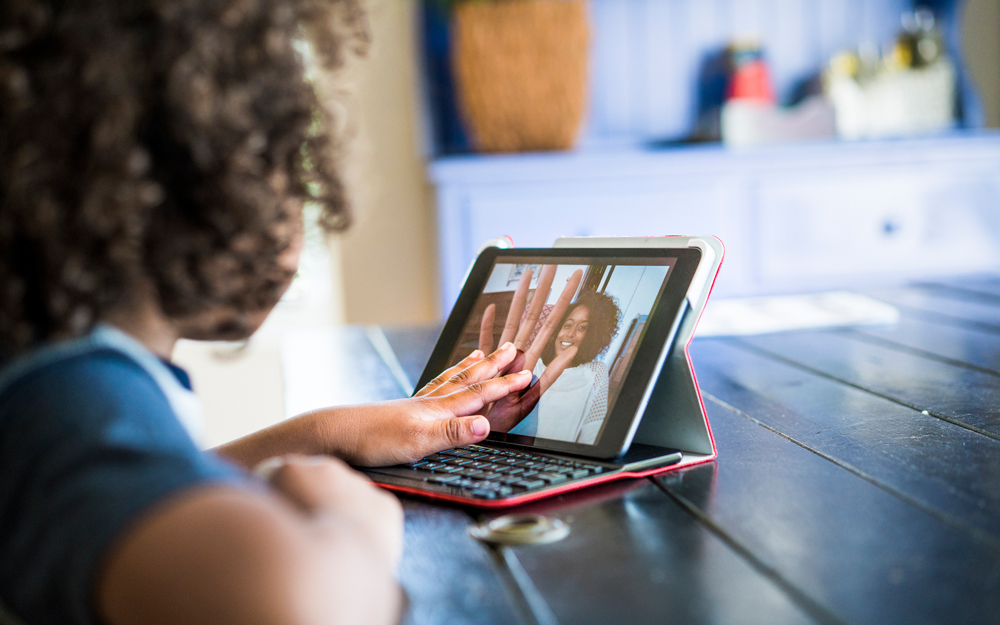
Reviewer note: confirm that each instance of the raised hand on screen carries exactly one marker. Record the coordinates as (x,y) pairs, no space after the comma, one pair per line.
(506,413)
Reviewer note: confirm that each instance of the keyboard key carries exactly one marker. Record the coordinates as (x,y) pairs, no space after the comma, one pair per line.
(484,493)
(451,452)
(444,479)
(528,484)
(434,466)
(551,478)
(449,469)
(460,461)
(410,474)
(576,474)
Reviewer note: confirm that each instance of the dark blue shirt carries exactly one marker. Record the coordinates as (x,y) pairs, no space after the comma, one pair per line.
(89,442)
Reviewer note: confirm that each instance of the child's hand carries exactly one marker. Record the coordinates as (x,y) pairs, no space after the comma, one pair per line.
(443,415)
(325,487)
(447,413)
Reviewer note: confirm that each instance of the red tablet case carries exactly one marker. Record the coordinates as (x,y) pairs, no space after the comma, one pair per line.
(675,416)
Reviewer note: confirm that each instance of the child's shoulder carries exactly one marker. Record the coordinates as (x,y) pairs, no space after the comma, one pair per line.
(77,384)
(86,433)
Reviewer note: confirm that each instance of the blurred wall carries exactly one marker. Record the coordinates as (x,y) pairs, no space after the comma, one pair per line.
(389,254)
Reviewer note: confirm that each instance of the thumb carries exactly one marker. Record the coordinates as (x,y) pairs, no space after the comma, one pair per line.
(457,431)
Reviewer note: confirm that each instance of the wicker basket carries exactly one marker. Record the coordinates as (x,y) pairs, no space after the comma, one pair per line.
(520,70)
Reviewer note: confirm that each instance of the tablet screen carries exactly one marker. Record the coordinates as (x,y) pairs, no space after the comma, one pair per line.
(582,322)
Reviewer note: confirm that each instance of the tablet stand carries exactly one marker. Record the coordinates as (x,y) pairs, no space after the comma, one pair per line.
(675,417)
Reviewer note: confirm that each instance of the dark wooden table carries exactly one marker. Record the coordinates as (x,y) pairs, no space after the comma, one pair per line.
(858,481)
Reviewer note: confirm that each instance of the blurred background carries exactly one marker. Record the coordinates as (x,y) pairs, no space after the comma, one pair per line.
(829,143)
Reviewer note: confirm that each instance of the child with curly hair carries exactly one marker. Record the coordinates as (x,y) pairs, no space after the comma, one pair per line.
(155,156)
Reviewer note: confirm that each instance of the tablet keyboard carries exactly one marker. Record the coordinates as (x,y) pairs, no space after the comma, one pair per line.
(487,473)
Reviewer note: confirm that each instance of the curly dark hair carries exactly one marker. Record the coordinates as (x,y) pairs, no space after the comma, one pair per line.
(164,141)
(605,318)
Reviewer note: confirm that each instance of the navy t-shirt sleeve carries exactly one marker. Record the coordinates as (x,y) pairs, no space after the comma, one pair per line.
(87,445)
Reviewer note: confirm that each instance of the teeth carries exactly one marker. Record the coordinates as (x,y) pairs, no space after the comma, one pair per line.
(565,344)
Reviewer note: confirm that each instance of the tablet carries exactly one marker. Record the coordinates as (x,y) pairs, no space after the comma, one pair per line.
(601,322)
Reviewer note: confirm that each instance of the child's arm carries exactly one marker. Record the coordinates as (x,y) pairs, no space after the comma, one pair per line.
(219,555)
(393,432)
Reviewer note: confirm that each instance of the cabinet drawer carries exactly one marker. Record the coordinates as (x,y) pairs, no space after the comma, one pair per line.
(856,224)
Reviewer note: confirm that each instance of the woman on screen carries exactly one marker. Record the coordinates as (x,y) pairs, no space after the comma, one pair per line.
(574,407)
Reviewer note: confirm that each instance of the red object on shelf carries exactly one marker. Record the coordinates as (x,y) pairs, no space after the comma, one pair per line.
(751,82)
(750,78)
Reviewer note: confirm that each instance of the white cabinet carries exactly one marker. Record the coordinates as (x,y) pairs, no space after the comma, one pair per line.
(798,217)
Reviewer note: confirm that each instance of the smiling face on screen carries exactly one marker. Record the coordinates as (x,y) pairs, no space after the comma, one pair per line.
(573,330)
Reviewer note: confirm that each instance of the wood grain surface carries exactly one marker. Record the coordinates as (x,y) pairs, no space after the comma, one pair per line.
(858,481)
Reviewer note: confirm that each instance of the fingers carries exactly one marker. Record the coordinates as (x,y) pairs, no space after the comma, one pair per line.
(548,272)
(448,374)
(479,371)
(555,369)
(486,329)
(456,432)
(451,428)
(474,397)
(555,316)
(510,410)
(433,436)
(517,307)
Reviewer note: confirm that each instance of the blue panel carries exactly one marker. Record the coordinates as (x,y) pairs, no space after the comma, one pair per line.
(638,71)
(834,29)
(663,112)
(612,58)
(448,135)
(787,46)
(747,18)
